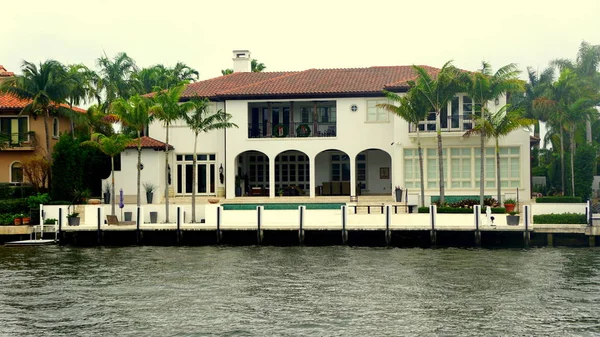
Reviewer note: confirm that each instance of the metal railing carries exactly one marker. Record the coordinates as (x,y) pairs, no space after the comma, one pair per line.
(457,123)
(16,139)
(293,130)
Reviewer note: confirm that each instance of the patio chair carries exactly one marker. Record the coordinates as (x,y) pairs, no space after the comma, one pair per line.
(113,220)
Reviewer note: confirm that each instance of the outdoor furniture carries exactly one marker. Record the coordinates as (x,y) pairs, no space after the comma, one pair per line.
(113,220)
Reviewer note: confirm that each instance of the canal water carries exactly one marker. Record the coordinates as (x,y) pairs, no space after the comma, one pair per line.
(298,291)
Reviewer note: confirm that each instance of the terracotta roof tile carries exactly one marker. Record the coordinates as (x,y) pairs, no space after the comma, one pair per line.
(11,102)
(5,73)
(149,143)
(305,83)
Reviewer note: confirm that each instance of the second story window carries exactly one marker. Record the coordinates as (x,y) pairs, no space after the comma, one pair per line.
(14,129)
(376,114)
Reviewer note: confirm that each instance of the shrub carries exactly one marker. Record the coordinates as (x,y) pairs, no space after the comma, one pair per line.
(585,159)
(34,201)
(59,202)
(6,219)
(564,218)
(559,200)
(12,206)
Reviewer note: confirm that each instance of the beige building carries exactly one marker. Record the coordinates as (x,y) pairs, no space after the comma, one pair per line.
(22,136)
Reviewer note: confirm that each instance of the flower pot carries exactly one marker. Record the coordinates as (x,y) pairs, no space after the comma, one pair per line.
(106,198)
(399,195)
(149,196)
(238,191)
(17,221)
(74,221)
(512,220)
(128,216)
(509,207)
(153,217)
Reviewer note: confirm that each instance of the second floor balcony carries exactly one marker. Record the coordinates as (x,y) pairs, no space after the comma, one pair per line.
(17,141)
(292,130)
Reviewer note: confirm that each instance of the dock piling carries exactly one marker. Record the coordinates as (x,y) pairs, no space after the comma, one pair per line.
(477,215)
(60,233)
(344,231)
(432,216)
(99,223)
(219,212)
(526,234)
(388,221)
(301,210)
(178,225)
(137,225)
(259,219)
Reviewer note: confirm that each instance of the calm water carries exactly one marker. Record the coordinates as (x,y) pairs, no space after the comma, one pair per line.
(296,291)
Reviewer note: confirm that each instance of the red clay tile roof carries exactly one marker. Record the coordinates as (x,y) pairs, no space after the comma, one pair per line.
(312,82)
(149,143)
(5,73)
(11,102)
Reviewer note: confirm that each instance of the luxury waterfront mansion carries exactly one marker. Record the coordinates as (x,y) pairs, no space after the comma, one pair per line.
(320,132)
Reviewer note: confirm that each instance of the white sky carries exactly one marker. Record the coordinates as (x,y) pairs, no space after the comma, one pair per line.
(298,35)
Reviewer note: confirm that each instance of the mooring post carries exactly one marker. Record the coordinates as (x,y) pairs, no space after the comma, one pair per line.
(432,216)
(60,241)
(592,241)
(178,233)
(259,234)
(550,239)
(219,212)
(388,221)
(527,234)
(99,222)
(477,214)
(301,210)
(344,232)
(588,213)
(137,225)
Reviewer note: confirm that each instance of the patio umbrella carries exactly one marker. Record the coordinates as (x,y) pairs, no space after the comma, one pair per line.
(121,203)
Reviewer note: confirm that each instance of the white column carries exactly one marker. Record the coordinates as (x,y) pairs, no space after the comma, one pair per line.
(272,191)
(311,171)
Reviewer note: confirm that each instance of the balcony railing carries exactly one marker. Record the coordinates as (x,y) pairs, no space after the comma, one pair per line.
(457,123)
(17,140)
(293,130)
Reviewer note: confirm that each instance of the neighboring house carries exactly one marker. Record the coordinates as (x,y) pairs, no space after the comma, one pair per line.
(319,132)
(23,136)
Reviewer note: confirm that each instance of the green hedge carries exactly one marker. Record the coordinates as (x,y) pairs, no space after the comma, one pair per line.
(564,218)
(12,206)
(558,200)
(495,210)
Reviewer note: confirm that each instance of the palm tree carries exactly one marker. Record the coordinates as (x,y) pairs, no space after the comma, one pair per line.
(167,109)
(182,73)
(412,108)
(257,67)
(498,125)
(45,88)
(226,71)
(116,78)
(483,86)
(202,119)
(437,90)
(110,146)
(152,79)
(80,87)
(133,113)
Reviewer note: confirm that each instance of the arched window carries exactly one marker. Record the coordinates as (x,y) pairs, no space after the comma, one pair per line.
(16,173)
(55,128)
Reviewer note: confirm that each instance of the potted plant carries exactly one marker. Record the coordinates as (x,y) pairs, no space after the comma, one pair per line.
(20,219)
(50,221)
(238,186)
(398,191)
(106,193)
(512,219)
(280,192)
(73,219)
(509,204)
(149,188)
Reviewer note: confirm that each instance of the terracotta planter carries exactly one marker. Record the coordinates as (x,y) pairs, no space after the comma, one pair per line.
(509,207)
(17,221)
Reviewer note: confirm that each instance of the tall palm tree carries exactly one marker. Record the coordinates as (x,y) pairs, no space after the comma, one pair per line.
(182,73)
(110,146)
(116,78)
(45,88)
(257,67)
(226,71)
(152,79)
(412,108)
(437,90)
(498,125)
(168,110)
(202,120)
(134,114)
(483,86)
(80,87)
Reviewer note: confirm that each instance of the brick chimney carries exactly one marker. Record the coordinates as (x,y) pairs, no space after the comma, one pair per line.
(241,61)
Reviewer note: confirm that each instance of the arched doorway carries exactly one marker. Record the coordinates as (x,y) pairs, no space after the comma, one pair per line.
(292,173)
(252,174)
(332,173)
(374,172)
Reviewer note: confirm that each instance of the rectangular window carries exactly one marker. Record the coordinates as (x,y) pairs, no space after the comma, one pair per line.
(376,114)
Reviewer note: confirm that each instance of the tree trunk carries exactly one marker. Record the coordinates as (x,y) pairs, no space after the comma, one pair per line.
(167,174)
(482,160)
(48,151)
(421,169)
(438,126)
(562,162)
(194,173)
(139,169)
(572,160)
(112,174)
(588,131)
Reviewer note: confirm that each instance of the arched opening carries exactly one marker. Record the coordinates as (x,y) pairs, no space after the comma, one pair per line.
(374,172)
(252,174)
(292,174)
(16,172)
(332,173)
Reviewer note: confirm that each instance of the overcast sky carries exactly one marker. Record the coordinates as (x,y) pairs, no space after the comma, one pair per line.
(298,35)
